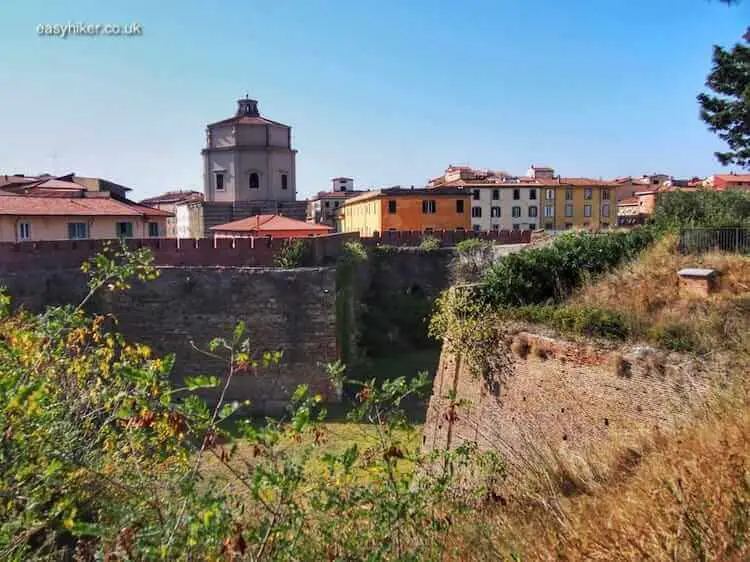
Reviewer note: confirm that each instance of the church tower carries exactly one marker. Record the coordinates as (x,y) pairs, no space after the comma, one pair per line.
(249,158)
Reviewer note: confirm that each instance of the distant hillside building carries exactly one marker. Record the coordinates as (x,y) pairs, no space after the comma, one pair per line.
(168,202)
(322,208)
(249,168)
(731,182)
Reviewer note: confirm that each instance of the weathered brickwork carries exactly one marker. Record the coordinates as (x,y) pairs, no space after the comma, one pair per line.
(292,311)
(568,395)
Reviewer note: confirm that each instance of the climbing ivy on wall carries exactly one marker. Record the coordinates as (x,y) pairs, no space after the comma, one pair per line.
(351,257)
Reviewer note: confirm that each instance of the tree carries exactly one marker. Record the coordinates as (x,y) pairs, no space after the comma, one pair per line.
(728,113)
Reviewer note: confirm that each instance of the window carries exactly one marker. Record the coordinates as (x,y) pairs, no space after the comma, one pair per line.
(219,182)
(153,229)
(429,207)
(605,225)
(548,226)
(587,210)
(336,203)
(568,225)
(476,212)
(475,227)
(77,230)
(568,194)
(495,212)
(549,211)
(587,193)
(24,231)
(327,204)
(533,211)
(532,193)
(549,194)
(124,229)
(516,194)
(284,181)
(605,195)
(495,194)
(475,195)
(254,180)
(532,226)
(495,227)
(516,212)
(605,210)
(392,207)
(568,210)
(516,227)
(459,205)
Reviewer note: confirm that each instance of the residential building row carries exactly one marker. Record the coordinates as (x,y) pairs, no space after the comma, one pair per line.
(72,208)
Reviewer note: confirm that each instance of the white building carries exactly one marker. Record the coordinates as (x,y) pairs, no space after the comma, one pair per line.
(505,206)
(249,158)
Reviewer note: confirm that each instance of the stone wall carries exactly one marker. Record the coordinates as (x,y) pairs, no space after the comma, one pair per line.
(570,396)
(286,310)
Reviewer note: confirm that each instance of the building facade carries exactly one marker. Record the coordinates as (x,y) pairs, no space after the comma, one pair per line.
(537,200)
(31,219)
(323,207)
(732,182)
(249,158)
(397,208)
(169,202)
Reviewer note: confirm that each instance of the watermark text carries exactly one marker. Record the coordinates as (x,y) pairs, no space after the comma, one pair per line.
(83,29)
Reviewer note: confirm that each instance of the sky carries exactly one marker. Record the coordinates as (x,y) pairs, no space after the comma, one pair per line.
(388,92)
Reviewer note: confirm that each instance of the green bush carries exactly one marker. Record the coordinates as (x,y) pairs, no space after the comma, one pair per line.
(677,337)
(292,254)
(550,273)
(713,209)
(470,245)
(429,243)
(581,320)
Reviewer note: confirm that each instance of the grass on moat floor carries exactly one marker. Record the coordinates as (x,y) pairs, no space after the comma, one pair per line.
(339,434)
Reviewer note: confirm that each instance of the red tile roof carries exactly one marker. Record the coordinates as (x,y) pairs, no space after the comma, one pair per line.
(173,197)
(81,206)
(733,177)
(248,120)
(270,223)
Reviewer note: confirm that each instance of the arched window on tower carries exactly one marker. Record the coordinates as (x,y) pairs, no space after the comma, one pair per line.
(284,181)
(254,180)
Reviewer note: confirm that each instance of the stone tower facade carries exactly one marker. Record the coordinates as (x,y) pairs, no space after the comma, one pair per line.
(249,158)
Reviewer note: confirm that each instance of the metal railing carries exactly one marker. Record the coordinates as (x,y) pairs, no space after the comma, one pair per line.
(697,240)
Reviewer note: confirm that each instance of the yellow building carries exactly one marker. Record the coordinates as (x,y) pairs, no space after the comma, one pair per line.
(405,209)
(579,203)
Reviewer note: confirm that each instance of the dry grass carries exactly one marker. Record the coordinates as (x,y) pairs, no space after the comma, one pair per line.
(684,496)
(647,293)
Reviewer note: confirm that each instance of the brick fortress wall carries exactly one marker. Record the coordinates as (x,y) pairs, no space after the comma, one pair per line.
(567,395)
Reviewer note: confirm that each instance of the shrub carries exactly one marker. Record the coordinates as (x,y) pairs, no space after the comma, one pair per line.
(550,273)
(429,243)
(677,337)
(473,258)
(580,320)
(292,254)
(701,209)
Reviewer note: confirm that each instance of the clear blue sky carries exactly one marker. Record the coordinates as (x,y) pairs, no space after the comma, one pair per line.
(388,91)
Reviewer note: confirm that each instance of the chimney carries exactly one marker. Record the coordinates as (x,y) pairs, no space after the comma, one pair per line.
(247,108)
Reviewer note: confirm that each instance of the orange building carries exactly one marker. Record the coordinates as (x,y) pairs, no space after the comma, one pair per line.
(406,209)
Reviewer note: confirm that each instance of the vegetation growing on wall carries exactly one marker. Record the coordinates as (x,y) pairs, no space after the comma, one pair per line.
(292,254)
(473,257)
(352,255)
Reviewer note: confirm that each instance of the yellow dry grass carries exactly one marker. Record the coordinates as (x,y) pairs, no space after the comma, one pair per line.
(684,496)
(647,294)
